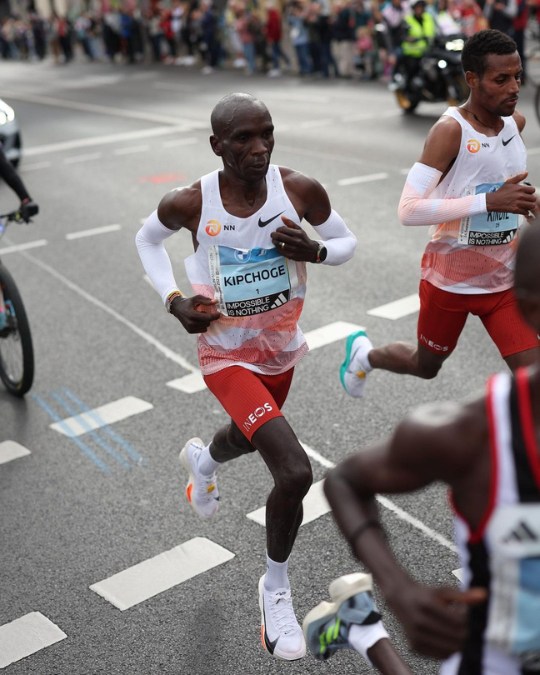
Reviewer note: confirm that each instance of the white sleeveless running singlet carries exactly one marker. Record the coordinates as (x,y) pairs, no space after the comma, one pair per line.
(503,555)
(476,254)
(259,292)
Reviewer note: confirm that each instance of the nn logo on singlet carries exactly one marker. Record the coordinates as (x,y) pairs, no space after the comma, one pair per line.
(473,146)
(214,227)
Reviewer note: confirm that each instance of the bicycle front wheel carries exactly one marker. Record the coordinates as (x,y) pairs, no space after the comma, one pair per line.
(16,349)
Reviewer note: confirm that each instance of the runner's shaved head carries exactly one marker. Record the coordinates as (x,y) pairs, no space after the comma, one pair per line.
(224,113)
(527,275)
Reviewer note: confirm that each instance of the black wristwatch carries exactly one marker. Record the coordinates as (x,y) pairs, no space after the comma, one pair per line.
(321,253)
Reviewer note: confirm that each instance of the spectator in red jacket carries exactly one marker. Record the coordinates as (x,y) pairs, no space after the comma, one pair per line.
(273,38)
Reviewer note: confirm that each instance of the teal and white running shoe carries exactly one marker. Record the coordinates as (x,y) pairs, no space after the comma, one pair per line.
(354,369)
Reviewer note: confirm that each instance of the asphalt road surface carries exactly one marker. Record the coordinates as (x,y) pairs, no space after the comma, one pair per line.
(105,569)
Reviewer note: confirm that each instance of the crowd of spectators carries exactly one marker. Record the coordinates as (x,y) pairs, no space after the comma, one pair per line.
(324,38)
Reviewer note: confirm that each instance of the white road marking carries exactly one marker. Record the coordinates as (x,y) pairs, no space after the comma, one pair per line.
(102,416)
(338,330)
(179,142)
(158,574)
(315,505)
(25,636)
(458,573)
(102,140)
(397,309)
(315,124)
(189,384)
(355,180)
(23,247)
(319,337)
(166,351)
(93,108)
(317,456)
(10,450)
(403,515)
(132,150)
(96,230)
(36,166)
(89,157)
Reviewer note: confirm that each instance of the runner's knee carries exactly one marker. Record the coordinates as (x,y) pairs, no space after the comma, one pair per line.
(295,479)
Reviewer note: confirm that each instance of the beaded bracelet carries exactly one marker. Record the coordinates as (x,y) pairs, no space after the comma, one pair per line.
(172,296)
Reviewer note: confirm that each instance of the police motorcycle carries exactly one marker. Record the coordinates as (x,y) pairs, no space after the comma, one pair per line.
(439,77)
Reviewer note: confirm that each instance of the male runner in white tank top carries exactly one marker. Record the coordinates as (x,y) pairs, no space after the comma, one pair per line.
(469,187)
(487,451)
(248,273)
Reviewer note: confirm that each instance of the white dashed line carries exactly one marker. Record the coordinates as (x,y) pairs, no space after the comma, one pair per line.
(179,142)
(102,140)
(397,309)
(96,230)
(355,180)
(90,157)
(36,166)
(102,416)
(132,150)
(24,247)
(25,636)
(164,571)
(315,124)
(10,450)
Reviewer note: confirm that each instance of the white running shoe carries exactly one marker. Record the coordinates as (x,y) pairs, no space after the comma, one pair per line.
(201,490)
(281,634)
(353,371)
(327,625)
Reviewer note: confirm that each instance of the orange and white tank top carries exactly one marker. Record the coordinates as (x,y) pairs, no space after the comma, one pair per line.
(260,293)
(476,254)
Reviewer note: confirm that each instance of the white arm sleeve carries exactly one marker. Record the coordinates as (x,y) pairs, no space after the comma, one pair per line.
(339,241)
(154,257)
(417,208)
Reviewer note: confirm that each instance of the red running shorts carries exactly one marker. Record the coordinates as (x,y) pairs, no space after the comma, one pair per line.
(251,399)
(443,315)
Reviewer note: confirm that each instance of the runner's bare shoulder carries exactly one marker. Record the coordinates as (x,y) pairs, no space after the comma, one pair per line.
(181,207)
(442,143)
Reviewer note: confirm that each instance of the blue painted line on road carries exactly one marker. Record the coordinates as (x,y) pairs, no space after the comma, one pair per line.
(86,450)
(90,432)
(125,445)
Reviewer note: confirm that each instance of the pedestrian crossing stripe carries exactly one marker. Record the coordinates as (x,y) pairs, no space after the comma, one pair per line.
(10,450)
(27,635)
(160,573)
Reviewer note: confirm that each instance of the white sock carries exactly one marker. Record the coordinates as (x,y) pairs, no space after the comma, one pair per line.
(363,638)
(362,357)
(276,574)
(207,465)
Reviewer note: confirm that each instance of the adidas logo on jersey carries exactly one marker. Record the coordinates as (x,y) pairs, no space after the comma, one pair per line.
(523,532)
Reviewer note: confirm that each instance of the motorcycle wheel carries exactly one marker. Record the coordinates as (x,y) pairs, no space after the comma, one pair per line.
(407,104)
